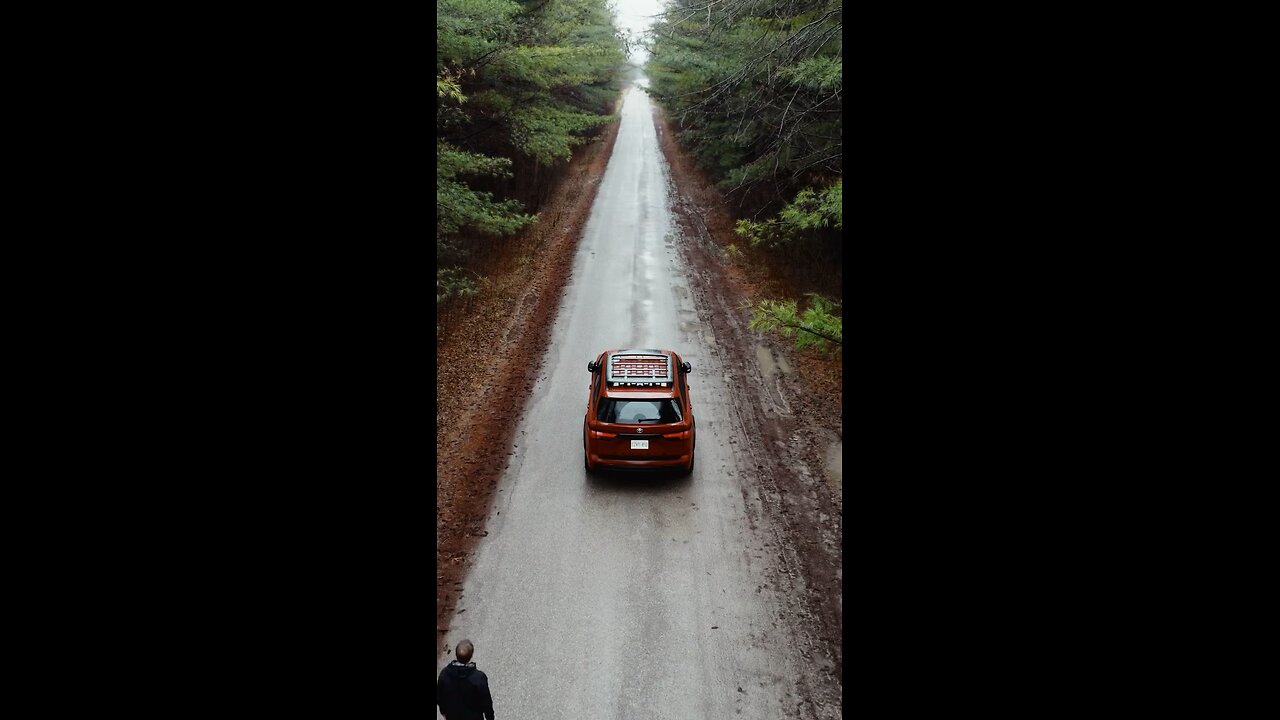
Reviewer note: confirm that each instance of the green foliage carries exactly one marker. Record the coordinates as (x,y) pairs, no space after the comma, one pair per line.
(818,326)
(554,61)
(818,74)
(545,68)
(452,282)
(521,81)
(547,133)
(755,89)
(447,87)
(467,29)
(809,210)
(458,206)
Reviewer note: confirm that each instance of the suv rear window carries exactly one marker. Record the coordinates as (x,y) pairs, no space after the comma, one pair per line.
(615,410)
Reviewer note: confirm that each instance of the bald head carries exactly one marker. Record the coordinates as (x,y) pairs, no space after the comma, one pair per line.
(464,651)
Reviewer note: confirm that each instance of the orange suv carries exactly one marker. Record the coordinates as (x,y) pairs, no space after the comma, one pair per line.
(638,414)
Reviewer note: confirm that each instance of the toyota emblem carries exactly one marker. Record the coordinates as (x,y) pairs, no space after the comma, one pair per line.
(639,430)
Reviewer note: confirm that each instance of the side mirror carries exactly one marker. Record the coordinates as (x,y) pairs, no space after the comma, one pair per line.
(686,367)
(593,366)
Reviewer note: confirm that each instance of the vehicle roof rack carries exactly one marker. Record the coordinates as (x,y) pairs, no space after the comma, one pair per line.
(639,368)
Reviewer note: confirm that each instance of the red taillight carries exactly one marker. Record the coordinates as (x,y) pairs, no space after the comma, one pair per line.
(677,436)
(598,434)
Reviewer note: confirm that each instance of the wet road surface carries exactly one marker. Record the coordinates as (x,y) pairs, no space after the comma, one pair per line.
(627,596)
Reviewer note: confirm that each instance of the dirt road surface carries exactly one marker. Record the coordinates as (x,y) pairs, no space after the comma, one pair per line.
(628,596)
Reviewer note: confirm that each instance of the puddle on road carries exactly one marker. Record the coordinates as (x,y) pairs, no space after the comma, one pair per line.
(833,467)
(771,364)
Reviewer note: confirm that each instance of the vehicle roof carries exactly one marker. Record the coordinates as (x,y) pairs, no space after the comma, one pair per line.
(647,370)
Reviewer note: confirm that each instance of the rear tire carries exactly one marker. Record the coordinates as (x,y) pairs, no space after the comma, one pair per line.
(689,470)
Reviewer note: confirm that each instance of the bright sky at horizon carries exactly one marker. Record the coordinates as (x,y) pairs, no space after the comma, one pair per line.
(634,17)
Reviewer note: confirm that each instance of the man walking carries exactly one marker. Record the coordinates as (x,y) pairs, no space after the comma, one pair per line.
(462,692)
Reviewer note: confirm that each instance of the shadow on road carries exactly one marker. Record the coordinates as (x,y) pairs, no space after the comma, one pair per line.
(637,482)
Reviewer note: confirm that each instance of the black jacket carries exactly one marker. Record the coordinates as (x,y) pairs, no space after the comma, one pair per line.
(462,693)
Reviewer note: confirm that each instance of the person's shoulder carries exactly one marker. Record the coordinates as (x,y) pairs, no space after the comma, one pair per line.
(478,674)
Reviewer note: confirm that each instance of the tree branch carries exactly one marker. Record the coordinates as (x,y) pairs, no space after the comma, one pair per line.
(828,338)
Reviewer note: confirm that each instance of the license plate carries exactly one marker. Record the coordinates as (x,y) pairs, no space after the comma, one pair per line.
(639,444)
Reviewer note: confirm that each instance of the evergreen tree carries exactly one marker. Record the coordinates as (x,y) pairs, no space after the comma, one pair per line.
(754,89)
(518,85)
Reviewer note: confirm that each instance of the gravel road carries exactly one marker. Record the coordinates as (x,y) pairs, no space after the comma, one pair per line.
(628,596)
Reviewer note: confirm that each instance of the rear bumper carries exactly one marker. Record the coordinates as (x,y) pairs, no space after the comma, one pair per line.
(616,463)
